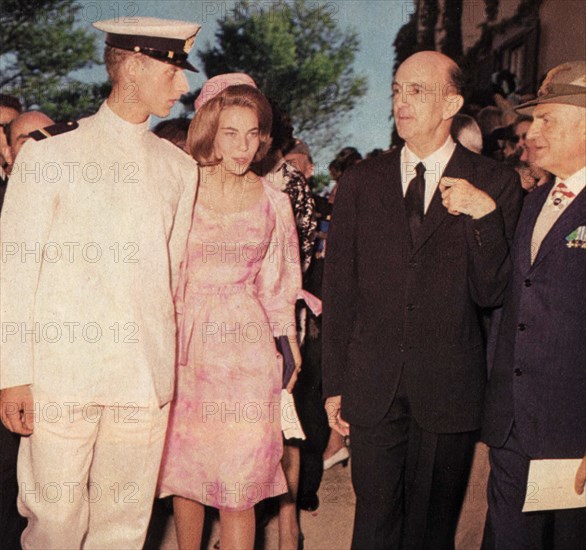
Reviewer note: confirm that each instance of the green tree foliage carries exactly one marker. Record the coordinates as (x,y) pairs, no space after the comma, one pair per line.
(298,56)
(40,47)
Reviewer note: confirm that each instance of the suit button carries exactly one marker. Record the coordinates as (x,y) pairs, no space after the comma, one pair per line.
(477,237)
(518,372)
(401,348)
(521,326)
(410,307)
(527,282)
(412,265)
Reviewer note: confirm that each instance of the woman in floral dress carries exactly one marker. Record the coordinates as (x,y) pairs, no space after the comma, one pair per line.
(239,282)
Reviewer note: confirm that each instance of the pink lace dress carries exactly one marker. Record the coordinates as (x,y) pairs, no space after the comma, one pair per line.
(239,283)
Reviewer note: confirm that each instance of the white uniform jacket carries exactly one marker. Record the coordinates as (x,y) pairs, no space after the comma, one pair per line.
(93,229)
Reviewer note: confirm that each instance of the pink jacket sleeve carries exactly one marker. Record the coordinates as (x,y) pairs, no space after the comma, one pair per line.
(279,280)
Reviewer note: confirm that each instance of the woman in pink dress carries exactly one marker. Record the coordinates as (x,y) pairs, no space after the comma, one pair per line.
(239,282)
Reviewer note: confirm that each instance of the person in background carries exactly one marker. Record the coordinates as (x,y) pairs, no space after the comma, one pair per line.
(173,130)
(489,119)
(307,392)
(288,179)
(241,272)
(535,406)
(336,450)
(418,243)
(346,157)
(299,157)
(91,390)
(467,132)
(10,108)
(532,175)
(21,128)
(374,153)
(11,523)
(520,128)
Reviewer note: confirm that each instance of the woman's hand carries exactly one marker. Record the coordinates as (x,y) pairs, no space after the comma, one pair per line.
(297,358)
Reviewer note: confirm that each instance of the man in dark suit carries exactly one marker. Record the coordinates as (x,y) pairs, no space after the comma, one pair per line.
(536,396)
(410,261)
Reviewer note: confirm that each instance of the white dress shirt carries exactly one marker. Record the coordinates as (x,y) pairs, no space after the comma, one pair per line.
(435,164)
(549,213)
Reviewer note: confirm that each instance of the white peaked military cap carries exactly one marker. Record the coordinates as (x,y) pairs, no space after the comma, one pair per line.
(166,40)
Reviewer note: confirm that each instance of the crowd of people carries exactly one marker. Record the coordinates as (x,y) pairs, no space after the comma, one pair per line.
(162,325)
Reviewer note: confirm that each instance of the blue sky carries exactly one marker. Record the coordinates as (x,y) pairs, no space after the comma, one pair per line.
(377,22)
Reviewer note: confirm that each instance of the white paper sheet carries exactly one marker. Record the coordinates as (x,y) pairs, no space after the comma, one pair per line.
(290,424)
(550,485)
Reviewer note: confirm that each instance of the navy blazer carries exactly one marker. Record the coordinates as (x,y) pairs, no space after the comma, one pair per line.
(390,307)
(539,377)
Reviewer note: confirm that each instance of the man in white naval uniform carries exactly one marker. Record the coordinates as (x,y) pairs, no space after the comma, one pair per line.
(94,226)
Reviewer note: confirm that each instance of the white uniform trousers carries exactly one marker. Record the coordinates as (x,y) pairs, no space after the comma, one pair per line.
(88,473)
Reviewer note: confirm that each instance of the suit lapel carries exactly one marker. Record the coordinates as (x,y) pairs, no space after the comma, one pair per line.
(570,218)
(524,233)
(392,193)
(392,198)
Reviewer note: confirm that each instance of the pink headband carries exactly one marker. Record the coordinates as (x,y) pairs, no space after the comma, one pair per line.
(219,83)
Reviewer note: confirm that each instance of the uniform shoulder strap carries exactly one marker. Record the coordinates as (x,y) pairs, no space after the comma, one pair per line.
(53,130)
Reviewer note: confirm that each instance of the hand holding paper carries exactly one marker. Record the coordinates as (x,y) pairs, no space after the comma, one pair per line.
(552,485)
(581,477)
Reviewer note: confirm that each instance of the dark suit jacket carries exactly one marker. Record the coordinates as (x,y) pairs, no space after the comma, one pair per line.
(390,307)
(539,376)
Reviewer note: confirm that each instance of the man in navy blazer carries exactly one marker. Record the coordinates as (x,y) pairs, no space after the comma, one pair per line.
(536,396)
(419,241)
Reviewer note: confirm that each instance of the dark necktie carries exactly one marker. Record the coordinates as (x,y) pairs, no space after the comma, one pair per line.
(414,201)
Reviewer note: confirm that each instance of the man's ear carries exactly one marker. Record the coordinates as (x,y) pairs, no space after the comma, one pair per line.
(452,104)
(132,67)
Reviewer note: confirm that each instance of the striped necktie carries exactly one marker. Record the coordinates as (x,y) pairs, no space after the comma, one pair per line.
(560,195)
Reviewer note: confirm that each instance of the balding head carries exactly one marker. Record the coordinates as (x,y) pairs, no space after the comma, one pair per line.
(427,93)
(443,67)
(23,125)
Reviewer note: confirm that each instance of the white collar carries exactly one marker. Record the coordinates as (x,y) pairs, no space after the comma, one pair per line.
(575,183)
(118,125)
(435,163)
